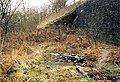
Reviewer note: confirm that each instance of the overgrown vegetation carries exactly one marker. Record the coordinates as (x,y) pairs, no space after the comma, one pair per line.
(24,54)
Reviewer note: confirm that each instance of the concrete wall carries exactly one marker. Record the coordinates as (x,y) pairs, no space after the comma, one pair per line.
(98,19)
(101,17)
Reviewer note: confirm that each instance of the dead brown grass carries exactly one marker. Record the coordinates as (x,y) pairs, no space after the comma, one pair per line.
(19,51)
(71,43)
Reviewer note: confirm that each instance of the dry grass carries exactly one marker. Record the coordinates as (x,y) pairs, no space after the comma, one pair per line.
(22,54)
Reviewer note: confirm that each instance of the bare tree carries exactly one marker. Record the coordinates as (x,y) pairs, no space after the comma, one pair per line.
(6,14)
(57,4)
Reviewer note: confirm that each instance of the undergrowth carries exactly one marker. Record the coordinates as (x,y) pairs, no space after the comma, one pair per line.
(24,54)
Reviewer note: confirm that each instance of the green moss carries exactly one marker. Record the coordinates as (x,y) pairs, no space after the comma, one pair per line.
(34,72)
(35,80)
(112,69)
(50,49)
(89,79)
(56,74)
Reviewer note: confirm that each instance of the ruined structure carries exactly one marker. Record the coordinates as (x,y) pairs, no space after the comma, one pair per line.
(100,19)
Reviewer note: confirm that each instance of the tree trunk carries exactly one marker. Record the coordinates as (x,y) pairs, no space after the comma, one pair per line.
(3,40)
(3,34)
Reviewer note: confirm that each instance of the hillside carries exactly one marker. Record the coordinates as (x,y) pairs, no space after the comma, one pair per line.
(63,52)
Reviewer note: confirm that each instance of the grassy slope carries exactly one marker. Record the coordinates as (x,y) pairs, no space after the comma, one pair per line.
(30,67)
(32,52)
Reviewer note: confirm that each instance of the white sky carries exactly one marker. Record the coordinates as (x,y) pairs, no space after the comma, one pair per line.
(37,3)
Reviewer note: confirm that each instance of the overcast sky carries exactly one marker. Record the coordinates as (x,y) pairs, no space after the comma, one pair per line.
(36,3)
(39,3)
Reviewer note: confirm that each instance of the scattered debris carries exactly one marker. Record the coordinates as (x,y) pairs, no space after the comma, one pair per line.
(81,71)
(73,58)
(11,70)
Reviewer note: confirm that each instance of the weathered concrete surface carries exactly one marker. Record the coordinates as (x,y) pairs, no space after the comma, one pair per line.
(61,14)
(98,19)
